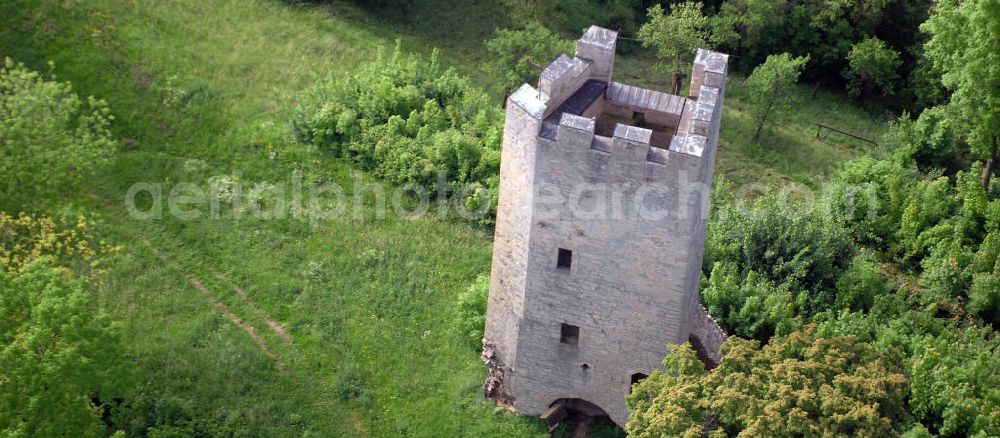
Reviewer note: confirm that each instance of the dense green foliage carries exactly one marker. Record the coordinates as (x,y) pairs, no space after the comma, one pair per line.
(796,385)
(61,367)
(515,50)
(44,125)
(872,65)
(775,265)
(61,364)
(410,122)
(953,369)
(919,226)
(59,351)
(470,311)
(773,259)
(963,47)
(749,26)
(827,30)
(769,89)
(942,230)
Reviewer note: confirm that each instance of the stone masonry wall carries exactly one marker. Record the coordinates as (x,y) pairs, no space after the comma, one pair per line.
(707,332)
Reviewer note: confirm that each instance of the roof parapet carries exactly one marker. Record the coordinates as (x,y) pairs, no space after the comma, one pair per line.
(710,69)
(631,142)
(561,79)
(704,110)
(598,45)
(693,144)
(576,131)
(526,98)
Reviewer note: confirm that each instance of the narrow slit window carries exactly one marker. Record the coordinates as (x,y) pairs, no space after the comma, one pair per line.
(569,334)
(565,260)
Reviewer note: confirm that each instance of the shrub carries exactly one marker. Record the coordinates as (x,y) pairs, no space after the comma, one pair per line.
(27,238)
(797,385)
(956,377)
(57,350)
(860,284)
(410,122)
(44,125)
(470,312)
(872,65)
(749,306)
(794,246)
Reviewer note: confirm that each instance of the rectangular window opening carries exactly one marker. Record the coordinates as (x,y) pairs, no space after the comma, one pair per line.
(565,259)
(569,334)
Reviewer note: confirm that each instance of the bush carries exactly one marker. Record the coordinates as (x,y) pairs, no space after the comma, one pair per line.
(57,351)
(50,140)
(797,385)
(860,284)
(749,306)
(796,247)
(27,238)
(956,382)
(872,65)
(470,312)
(409,122)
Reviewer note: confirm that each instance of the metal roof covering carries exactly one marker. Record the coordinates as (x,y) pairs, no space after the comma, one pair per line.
(643,98)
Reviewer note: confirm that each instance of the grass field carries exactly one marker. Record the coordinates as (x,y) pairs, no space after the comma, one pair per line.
(205,88)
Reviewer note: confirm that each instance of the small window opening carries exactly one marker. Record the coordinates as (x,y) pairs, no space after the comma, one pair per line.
(569,334)
(565,259)
(639,118)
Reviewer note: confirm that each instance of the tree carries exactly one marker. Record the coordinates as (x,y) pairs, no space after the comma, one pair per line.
(58,353)
(536,10)
(675,37)
(750,27)
(45,126)
(965,46)
(797,385)
(770,87)
(956,377)
(772,260)
(871,64)
(409,121)
(515,50)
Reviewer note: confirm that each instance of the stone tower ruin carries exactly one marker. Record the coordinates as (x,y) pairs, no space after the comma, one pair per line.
(599,235)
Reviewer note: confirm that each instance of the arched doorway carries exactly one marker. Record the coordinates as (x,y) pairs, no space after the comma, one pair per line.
(636,378)
(579,418)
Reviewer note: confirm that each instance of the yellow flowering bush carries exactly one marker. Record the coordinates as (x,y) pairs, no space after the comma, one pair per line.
(26,238)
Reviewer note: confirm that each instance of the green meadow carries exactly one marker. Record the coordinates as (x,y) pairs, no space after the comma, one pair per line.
(247,327)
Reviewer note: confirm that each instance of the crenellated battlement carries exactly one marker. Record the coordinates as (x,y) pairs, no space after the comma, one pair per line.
(573,91)
(710,69)
(598,45)
(631,143)
(576,131)
(561,79)
(700,122)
